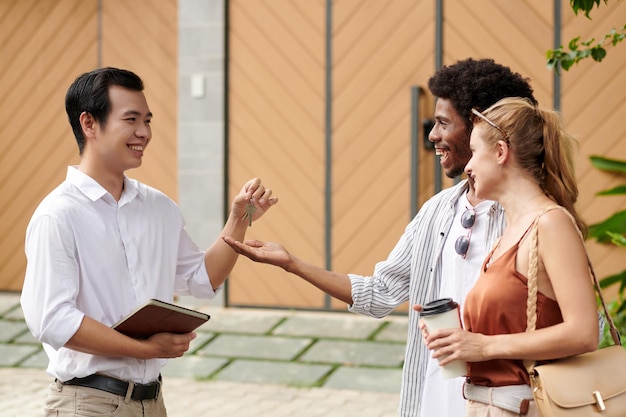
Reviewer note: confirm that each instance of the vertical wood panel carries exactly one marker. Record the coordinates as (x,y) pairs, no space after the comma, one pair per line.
(276,132)
(44,44)
(594,110)
(516,34)
(384,48)
(276,123)
(142,36)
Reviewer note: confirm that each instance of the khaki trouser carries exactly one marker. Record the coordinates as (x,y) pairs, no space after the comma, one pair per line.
(477,409)
(75,401)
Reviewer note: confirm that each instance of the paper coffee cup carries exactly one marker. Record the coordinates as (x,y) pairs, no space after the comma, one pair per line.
(444,314)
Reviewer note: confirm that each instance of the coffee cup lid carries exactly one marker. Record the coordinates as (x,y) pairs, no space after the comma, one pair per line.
(438,307)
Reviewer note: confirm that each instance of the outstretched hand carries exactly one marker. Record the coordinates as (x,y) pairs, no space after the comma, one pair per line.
(264,252)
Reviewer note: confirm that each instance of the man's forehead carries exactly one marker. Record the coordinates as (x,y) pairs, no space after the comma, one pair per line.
(128,102)
(445,109)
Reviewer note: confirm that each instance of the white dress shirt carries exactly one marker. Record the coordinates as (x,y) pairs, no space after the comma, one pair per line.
(91,255)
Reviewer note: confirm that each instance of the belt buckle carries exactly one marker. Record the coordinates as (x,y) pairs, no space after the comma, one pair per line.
(155,387)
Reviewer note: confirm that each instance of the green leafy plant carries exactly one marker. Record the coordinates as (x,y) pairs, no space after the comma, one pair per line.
(612,231)
(585,6)
(577,50)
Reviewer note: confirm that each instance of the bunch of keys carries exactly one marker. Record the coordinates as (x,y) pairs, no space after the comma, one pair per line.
(250,209)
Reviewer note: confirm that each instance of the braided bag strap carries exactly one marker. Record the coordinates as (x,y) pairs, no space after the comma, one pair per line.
(533,262)
(533,265)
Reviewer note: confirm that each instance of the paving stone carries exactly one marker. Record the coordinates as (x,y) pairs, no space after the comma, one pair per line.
(355,378)
(9,302)
(12,355)
(16,314)
(286,373)
(200,340)
(27,338)
(193,367)
(258,346)
(328,326)
(38,360)
(255,347)
(9,330)
(395,331)
(238,321)
(355,353)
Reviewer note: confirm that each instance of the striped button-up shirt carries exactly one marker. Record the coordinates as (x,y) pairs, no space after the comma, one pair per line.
(412,272)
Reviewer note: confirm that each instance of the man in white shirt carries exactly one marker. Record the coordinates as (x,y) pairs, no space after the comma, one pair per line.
(425,263)
(101,244)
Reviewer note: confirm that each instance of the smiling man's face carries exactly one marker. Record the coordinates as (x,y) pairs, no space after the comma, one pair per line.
(451,138)
(122,141)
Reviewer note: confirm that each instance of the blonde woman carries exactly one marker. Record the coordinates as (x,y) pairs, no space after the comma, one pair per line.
(523,159)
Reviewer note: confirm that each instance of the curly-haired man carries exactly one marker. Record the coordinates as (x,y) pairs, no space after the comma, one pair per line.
(426,263)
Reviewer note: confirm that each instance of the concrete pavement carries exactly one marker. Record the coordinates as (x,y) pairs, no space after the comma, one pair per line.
(244,362)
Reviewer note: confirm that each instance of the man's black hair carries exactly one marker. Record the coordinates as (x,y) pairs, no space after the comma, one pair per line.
(478,83)
(90,93)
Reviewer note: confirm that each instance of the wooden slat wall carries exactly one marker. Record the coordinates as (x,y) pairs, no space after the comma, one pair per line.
(44,45)
(276,132)
(502,31)
(381,50)
(593,99)
(276,113)
(142,36)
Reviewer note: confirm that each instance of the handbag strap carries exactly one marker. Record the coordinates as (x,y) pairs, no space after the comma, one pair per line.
(533,260)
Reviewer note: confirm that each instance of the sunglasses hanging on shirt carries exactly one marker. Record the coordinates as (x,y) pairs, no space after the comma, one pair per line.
(461,246)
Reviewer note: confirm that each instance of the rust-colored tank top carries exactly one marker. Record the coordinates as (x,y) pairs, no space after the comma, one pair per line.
(497,305)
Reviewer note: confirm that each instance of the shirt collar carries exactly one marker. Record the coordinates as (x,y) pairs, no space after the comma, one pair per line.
(462,188)
(94,191)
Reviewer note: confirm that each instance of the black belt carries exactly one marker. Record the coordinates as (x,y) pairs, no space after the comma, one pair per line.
(138,392)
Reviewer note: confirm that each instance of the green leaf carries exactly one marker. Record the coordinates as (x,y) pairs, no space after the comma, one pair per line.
(598,53)
(588,43)
(567,63)
(613,279)
(617,239)
(620,189)
(606,164)
(573,44)
(615,224)
(585,6)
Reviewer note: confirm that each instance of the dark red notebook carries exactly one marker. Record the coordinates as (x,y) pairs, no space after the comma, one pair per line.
(157,316)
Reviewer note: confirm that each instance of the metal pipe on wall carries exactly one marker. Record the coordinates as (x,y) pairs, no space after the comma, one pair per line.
(556,79)
(438,65)
(329,151)
(415,148)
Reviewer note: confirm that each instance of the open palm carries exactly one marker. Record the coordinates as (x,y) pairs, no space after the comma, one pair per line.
(258,251)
